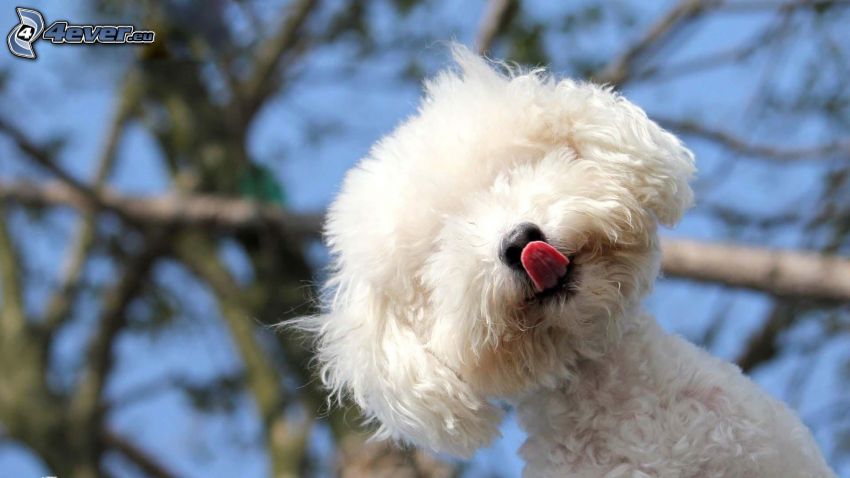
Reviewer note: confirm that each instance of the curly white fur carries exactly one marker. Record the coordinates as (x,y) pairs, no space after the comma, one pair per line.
(424,327)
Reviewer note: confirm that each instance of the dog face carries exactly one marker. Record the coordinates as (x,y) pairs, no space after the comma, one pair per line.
(489,243)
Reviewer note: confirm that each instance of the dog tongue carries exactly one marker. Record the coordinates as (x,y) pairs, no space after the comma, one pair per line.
(544,264)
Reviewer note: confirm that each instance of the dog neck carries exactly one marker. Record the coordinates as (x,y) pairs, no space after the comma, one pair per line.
(593,397)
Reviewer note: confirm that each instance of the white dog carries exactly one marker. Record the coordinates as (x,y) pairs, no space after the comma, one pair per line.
(497,246)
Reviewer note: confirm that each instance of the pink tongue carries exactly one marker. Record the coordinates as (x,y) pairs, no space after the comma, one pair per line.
(544,264)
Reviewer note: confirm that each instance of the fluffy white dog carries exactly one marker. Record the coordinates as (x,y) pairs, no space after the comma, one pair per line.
(496,246)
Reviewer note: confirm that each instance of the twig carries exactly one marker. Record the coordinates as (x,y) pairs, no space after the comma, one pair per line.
(696,65)
(85,407)
(271,52)
(762,346)
(41,157)
(737,144)
(61,300)
(140,457)
(620,69)
(140,393)
(115,303)
(496,18)
(286,437)
(762,5)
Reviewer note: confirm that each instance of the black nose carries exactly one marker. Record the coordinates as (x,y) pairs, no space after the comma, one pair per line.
(514,242)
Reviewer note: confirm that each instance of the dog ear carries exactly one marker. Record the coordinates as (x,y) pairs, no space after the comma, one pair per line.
(651,162)
(370,353)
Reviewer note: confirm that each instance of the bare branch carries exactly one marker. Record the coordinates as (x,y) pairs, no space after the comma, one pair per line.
(620,69)
(29,412)
(41,157)
(496,18)
(115,303)
(762,346)
(140,393)
(86,405)
(767,5)
(697,65)
(202,212)
(12,308)
(802,275)
(781,273)
(734,143)
(140,457)
(272,51)
(285,437)
(201,259)
(61,301)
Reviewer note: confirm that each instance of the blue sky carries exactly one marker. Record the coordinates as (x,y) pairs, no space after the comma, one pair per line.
(69,92)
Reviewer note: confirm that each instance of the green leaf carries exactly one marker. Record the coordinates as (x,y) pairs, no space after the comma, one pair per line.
(259,183)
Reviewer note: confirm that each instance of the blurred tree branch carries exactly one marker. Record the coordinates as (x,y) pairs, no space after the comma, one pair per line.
(86,403)
(43,158)
(60,303)
(286,438)
(623,68)
(781,273)
(801,275)
(204,212)
(619,70)
(27,409)
(739,145)
(778,5)
(12,310)
(496,17)
(762,346)
(43,419)
(151,466)
(272,52)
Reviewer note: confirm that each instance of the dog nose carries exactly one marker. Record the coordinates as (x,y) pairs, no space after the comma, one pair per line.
(515,241)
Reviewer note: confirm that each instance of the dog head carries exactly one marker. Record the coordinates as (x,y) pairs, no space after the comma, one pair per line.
(488,244)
